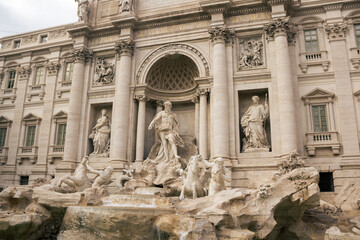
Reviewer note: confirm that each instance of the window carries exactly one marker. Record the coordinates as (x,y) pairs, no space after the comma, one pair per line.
(39,77)
(69,71)
(11,80)
(326,183)
(43,39)
(2,136)
(319,118)
(30,136)
(24,180)
(17,44)
(60,135)
(311,40)
(357,34)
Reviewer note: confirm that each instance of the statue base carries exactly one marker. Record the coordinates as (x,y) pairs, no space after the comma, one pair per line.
(250,150)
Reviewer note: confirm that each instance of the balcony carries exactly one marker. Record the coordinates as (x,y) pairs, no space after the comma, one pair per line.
(355,57)
(56,151)
(8,94)
(28,152)
(314,59)
(322,140)
(3,154)
(36,90)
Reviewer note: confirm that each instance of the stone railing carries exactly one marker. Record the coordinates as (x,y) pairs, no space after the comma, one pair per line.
(27,152)
(7,94)
(322,140)
(355,57)
(55,151)
(319,58)
(36,90)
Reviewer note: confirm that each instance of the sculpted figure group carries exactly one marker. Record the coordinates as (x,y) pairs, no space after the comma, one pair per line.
(78,181)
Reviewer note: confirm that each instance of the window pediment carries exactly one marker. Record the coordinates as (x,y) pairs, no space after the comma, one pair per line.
(318,94)
(60,115)
(5,120)
(31,117)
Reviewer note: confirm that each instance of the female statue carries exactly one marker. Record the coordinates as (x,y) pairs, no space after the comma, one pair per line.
(101,134)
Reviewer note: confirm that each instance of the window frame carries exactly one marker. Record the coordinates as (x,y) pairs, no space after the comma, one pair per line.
(44,38)
(39,80)
(310,30)
(71,72)
(17,44)
(31,120)
(11,80)
(5,123)
(57,134)
(320,122)
(27,135)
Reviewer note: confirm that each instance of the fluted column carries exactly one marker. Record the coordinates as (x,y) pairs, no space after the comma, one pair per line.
(344,91)
(203,126)
(140,134)
(281,32)
(121,106)
(81,55)
(195,100)
(219,36)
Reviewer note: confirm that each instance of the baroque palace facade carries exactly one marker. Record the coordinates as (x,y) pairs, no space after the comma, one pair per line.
(209,58)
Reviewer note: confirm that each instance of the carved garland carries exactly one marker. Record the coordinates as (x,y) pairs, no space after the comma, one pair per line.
(52,68)
(280,26)
(337,31)
(174,47)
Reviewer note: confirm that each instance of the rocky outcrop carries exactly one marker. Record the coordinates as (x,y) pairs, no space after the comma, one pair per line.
(348,198)
(334,233)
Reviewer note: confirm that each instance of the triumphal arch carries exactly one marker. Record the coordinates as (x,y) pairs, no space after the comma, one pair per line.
(246,81)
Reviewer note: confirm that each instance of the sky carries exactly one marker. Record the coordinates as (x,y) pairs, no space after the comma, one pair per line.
(20,16)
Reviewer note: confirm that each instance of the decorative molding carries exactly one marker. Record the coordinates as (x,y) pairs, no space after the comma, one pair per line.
(221,34)
(141,98)
(280,26)
(82,54)
(336,31)
(52,68)
(24,72)
(125,47)
(333,7)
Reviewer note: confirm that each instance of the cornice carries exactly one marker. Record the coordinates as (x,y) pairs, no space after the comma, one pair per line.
(333,7)
(79,30)
(243,11)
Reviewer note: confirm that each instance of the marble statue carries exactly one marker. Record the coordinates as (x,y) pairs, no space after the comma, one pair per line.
(76,180)
(126,5)
(219,174)
(167,131)
(101,134)
(83,10)
(103,177)
(252,123)
(192,186)
(104,73)
(126,176)
(251,54)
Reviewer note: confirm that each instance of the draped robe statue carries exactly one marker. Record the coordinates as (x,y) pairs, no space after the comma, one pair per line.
(101,134)
(253,124)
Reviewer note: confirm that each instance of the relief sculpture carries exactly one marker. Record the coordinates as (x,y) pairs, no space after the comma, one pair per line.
(104,73)
(251,54)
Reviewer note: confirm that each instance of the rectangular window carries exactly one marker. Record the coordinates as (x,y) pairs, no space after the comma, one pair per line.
(11,81)
(39,77)
(319,118)
(61,132)
(2,136)
(357,34)
(30,136)
(69,71)
(43,39)
(311,40)
(24,180)
(17,44)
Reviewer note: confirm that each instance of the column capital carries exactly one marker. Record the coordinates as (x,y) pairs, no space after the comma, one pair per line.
(24,72)
(82,54)
(141,98)
(125,47)
(221,35)
(278,27)
(336,31)
(204,91)
(52,68)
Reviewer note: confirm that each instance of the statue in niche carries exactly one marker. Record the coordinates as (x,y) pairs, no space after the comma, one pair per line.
(126,5)
(100,135)
(252,123)
(83,10)
(219,175)
(104,73)
(251,54)
(167,130)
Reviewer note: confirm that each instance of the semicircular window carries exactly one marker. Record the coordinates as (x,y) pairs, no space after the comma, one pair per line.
(173,73)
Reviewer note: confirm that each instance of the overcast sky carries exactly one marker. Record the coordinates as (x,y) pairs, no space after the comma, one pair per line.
(20,16)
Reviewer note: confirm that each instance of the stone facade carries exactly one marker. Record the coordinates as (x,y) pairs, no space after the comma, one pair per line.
(208,58)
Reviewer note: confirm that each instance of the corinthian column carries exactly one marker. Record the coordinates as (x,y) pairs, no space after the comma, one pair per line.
(203,126)
(121,106)
(344,91)
(81,55)
(140,134)
(220,124)
(281,32)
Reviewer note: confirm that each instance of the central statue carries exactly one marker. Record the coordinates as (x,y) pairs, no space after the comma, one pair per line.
(167,132)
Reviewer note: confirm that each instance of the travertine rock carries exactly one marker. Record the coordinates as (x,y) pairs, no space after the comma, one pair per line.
(334,233)
(348,197)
